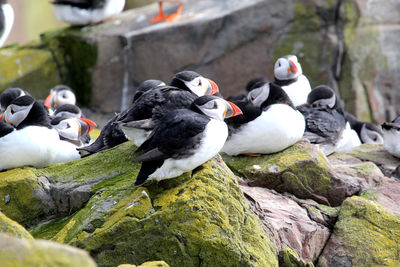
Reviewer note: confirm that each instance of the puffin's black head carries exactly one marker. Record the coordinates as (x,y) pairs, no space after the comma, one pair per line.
(265,94)
(215,107)
(9,95)
(195,83)
(68,110)
(324,96)
(18,110)
(255,82)
(146,86)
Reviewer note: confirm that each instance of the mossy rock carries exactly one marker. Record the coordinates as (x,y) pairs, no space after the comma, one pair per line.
(31,68)
(147,264)
(365,235)
(10,227)
(301,169)
(24,252)
(289,258)
(198,219)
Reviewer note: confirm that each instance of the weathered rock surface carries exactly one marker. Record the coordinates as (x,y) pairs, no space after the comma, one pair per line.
(24,252)
(13,228)
(365,235)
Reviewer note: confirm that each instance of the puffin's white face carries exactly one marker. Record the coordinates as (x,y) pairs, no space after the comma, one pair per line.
(69,128)
(220,109)
(15,114)
(330,102)
(202,86)
(370,136)
(259,95)
(63,97)
(287,68)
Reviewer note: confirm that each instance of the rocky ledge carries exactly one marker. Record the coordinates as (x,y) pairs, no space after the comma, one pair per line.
(294,208)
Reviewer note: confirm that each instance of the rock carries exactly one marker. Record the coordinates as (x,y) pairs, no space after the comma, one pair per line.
(301,170)
(31,68)
(147,264)
(365,234)
(289,258)
(291,224)
(24,252)
(10,227)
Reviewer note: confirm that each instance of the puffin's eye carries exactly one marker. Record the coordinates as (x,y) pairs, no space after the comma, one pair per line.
(68,126)
(199,83)
(12,111)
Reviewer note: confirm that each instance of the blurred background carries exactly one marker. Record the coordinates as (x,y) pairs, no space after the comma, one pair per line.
(33,17)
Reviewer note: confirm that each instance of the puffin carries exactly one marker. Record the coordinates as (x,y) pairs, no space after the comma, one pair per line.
(6,20)
(73,129)
(67,111)
(185,138)
(9,95)
(162,17)
(84,12)
(249,86)
(289,75)
(33,141)
(270,123)
(60,95)
(324,116)
(391,136)
(146,86)
(367,132)
(183,89)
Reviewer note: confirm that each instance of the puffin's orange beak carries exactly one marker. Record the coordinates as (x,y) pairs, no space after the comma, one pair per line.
(47,102)
(233,110)
(293,67)
(91,124)
(2,116)
(214,87)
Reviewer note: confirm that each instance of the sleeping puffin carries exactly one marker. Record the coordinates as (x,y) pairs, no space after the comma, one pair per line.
(270,123)
(74,130)
(185,139)
(6,20)
(162,17)
(84,12)
(368,133)
(289,75)
(8,95)
(33,141)
(324,116)
(391,136)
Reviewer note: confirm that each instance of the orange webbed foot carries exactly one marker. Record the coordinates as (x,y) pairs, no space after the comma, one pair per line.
(175,15)
(252,154)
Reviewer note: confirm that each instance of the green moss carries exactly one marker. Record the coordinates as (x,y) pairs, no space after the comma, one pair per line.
(370,233)
(289,258)
(31,68)
(301,170)
(23,252)
(13,228)
(195,220)
(74,56)
(155,264)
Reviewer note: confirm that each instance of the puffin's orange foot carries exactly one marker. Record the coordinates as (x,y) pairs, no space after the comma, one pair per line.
(158,18)
(175,15)
(252,154)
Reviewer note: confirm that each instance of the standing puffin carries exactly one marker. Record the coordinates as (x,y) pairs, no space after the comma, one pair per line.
(185,139)
(391,136)
(289,75)
(270,123)
(324,116)
(33,141)
(84,12)
(6,20)
(161,16)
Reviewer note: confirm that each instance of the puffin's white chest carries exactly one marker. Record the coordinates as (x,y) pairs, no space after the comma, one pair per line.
(274,130)
(391,141)
(34,146)
(80,16)
(214,137)
(298,91)
(349,139)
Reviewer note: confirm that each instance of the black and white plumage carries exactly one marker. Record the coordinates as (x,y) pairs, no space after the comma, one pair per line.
(324,118)
(8,95)
(84,12)
(33,141)
(391,136)
(67,111)
(185,139)
(249,86)
(270,122)
(6,20)
(367,132)
(60,95)
(289,75)
(73,129)
(146,86)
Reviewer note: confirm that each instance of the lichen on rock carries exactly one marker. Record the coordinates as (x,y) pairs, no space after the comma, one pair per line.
(10,227)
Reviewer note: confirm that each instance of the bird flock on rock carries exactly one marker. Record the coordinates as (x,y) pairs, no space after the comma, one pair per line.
(179,126)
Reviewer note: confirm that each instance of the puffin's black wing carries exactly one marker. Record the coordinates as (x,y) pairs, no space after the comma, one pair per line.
(250,112)
(5,128)
(86,4)
(322,124)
